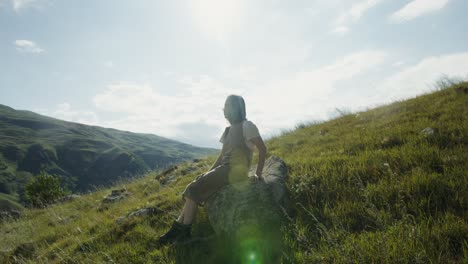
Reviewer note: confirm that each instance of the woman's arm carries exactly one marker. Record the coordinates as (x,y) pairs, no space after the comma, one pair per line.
(258,142)
(219,159)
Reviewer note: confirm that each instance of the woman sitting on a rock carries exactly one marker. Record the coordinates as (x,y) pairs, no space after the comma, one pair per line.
(232,165)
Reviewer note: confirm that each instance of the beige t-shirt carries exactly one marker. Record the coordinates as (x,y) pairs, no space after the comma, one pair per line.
(250,131)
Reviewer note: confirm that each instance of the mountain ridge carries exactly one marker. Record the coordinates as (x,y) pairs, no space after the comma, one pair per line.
(83,155)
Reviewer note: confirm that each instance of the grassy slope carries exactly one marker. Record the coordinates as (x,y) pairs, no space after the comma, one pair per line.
(366,187)
(370,187)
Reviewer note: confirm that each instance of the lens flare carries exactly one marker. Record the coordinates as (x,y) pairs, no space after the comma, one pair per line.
(250,250)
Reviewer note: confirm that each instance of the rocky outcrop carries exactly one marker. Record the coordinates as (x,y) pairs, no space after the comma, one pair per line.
(248,205)
(138,213)
(69,197)
(13,214)
(428,131)
(116,195)
(174,172)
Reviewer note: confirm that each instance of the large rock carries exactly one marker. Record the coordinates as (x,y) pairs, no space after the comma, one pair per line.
(250,205)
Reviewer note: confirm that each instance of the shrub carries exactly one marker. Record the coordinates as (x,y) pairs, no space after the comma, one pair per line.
(44,189)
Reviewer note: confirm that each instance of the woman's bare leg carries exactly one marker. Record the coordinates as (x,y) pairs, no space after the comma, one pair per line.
(181,216)
(188,212)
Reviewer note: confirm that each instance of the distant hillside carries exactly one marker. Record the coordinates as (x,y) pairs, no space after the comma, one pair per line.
(84,155)
(388,185)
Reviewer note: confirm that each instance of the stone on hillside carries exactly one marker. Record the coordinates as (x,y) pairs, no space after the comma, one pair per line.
(116,195)
(140,212)
(167,175)
(323,132)
(145,211)
(69,197)
(120,220)
(188,170)
(248,207)
(428,131)
(171,175)
(25,250)
(171,178)
(67,219)
(10,214)
(169,170)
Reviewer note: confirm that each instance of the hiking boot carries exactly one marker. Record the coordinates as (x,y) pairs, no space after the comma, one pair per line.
(178,232)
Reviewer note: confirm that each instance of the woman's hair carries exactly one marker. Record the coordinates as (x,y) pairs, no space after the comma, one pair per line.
(234,109)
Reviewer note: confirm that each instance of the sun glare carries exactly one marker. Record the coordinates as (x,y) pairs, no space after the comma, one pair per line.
(218,17)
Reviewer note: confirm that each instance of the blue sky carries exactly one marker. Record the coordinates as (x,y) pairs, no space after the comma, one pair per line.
(166,67)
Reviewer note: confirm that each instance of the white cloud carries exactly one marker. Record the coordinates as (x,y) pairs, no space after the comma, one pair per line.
(109,64)
(353,14)
(196,107)
(27,46)
(19,5)
(398,63)
(130,98)
(357,11)
(417,8)
(307,94)
(417,79)
(341,30)
(245,73)
(194,114)
(218,18)
(64,111)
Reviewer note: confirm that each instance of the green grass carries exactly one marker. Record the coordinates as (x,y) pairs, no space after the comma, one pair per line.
(366,187)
